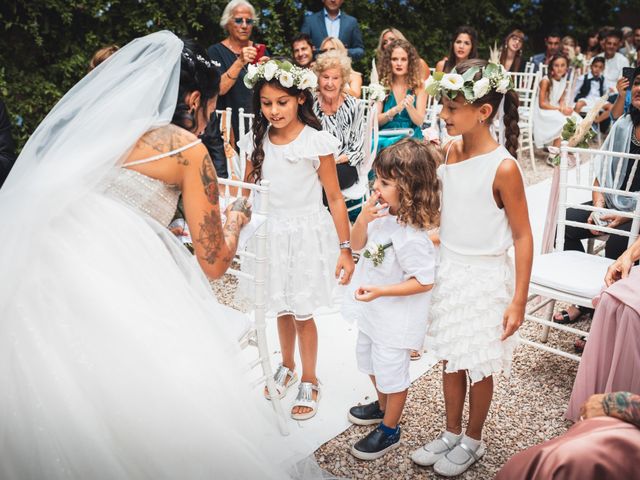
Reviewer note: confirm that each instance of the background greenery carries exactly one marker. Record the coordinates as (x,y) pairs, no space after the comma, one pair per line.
(45,45)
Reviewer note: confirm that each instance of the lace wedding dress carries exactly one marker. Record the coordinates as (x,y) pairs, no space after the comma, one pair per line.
(116,361)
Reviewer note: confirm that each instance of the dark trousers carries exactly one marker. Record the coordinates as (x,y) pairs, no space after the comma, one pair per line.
(616,244)
(347,176)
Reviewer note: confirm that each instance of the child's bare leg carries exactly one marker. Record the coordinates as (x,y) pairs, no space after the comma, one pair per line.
(604,114)
(382,397)
(394,407)
(480,395)
(454,386)
(287,336)
(579,106)
(308,344)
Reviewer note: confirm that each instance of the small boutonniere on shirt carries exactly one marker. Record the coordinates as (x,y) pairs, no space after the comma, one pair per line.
(375,252)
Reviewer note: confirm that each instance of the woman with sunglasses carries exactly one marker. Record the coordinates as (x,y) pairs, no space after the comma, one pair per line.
(233,55)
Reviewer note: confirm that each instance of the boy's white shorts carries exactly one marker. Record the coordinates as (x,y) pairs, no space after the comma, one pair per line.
(389,365)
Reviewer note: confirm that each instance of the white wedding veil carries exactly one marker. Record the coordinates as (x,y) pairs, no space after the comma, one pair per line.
(85,135)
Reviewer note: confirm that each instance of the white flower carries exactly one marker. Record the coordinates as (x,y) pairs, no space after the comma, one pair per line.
(270,70)
(452,81)
(377,92)
(429,81)
(252,71)
(308,80)
(503,86)
(286,79)
(481,87)
(372,248)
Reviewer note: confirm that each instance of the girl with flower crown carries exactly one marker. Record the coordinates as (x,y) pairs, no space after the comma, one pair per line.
(391,287)
(476,305)
(288,147)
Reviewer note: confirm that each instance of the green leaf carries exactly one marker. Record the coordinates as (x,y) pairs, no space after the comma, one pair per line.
(469,74)
(438,75)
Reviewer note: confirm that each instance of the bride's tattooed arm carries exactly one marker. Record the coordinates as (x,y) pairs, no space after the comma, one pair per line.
(622,405)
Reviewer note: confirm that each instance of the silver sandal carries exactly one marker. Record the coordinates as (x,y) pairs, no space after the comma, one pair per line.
(305,399)
(281,384)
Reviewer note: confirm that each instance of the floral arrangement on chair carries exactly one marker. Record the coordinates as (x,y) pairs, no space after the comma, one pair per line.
(377,92)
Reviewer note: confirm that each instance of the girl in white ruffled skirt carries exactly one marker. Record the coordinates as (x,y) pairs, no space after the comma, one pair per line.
(477,305)
(308,249)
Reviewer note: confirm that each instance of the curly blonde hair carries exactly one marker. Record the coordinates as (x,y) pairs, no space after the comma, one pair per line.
(386,72)
(412,164)
(334,59)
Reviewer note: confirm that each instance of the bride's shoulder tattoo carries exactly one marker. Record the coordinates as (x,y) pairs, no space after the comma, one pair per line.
(166,139)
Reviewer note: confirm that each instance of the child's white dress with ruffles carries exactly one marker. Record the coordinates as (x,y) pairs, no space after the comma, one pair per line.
(474,282)
(303,243)
(548,124)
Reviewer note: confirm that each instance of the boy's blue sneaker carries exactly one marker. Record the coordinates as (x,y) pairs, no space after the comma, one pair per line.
(375,444)
(369,414)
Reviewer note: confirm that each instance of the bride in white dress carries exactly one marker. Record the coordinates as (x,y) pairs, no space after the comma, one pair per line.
(116,361)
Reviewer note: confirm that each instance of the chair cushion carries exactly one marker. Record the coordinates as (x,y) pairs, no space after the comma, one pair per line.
(572,272)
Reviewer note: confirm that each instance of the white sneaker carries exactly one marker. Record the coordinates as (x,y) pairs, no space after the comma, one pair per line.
(436,449)
(449,468)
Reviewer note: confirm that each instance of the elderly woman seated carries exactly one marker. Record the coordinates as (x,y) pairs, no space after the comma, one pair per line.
(615,173)
(340,114)
(353,85)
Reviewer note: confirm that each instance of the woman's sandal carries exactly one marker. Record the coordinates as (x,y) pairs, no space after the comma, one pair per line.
(566,318)
(579,344)
(305,399)
(280,379)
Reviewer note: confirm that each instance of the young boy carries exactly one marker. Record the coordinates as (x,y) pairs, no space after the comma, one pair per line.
(590,87)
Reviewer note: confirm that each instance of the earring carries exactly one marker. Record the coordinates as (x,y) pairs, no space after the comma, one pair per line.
(480,121)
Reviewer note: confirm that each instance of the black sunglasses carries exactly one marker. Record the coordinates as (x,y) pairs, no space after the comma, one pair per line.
(240,21)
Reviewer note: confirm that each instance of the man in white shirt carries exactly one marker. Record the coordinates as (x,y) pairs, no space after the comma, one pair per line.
(614,61)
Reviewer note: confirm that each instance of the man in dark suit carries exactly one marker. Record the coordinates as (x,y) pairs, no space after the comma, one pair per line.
(331,22)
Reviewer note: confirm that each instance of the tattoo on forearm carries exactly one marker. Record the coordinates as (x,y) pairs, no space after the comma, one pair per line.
(242,205)
(211,236)
(209,180)
(622,405)
(231,232)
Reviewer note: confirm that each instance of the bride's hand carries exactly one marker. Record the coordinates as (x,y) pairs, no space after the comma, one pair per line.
(241,209)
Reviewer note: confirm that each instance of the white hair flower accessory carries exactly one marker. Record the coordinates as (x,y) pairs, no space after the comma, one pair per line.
(287,74)
(286,79)
(481,87)
(452,81)
(494,76)
(270,70)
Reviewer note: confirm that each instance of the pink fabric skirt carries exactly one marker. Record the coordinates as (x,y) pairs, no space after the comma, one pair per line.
(597,448)
(611,358)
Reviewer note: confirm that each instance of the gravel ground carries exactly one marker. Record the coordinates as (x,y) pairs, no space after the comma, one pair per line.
(527,409)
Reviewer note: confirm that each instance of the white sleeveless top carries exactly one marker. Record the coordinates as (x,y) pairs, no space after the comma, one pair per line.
(471,223)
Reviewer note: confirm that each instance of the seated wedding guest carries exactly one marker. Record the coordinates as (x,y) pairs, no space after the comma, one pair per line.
(570,47)
(406,104)
(7,147)
(511,51)
(605,445)
(614,61)
(302,50)
(333,22)
(233,55)
(592,48)
(611,358)
(340,114)
(353,86)
(590,88)
(387,36)
(553,107)
(552,48)
(101,55)
(622,138)
(632,44)
(463,46)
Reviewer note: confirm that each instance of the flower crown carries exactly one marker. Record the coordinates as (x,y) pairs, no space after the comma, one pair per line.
(285,72)
(199,58)
(494,76)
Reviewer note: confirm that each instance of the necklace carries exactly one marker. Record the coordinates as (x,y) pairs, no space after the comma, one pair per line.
(634,139)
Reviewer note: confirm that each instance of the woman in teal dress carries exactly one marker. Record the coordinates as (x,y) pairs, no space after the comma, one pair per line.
(406,103)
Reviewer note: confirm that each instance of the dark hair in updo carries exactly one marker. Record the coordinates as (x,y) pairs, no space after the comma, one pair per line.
(493,98)
(260,123)
(197,74)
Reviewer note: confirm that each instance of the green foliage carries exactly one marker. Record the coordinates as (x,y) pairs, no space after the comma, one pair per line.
(45,45)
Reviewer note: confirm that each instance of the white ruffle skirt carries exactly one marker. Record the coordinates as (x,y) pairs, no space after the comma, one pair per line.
(468,302)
